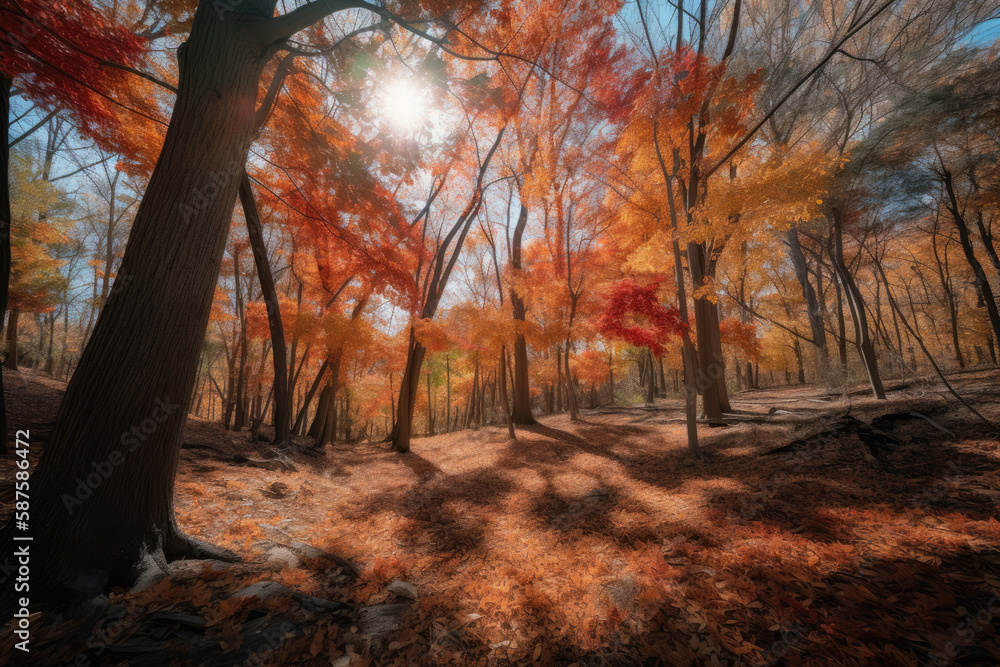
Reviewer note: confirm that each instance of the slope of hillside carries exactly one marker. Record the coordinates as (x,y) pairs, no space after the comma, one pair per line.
(870,536)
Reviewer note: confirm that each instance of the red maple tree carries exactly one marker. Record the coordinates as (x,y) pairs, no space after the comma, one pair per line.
(635,315)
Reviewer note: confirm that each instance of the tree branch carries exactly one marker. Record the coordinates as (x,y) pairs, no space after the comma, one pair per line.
(34,127)
(855,29)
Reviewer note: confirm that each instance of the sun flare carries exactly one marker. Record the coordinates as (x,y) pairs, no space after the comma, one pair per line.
(404,105)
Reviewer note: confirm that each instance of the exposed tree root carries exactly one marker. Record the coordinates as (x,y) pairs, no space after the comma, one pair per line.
(178,546)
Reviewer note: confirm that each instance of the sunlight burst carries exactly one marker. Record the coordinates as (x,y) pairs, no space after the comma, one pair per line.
(404,104)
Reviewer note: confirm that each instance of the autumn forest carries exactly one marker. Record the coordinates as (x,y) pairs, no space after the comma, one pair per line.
(500,332)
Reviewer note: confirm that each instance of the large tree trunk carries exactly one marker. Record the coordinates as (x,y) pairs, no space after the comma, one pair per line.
(522,391)
(282,402)
(103,490)
(408,387)
(711,379)
(813,309)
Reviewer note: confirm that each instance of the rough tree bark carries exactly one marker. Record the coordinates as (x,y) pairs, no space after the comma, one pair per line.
(104,497)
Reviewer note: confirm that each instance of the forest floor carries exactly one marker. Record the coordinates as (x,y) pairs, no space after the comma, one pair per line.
(873,539)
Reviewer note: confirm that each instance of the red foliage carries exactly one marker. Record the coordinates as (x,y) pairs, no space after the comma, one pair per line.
(56,49)
(630,301)
(741,336)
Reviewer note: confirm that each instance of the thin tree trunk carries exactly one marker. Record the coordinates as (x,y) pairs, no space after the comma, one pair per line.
(841,326)
(329,428)
(813,310)
(856,303)
(49,358)
(663,378)
(430,407)
(470,412)
(611,377)
(508,417)
(522,391)
(574,412)
(443,263)
(977,269)
(109,241)
(240,418)
(64,350)
(300,418)
(282,403)
(987,238)
(10,363)
(559,384)
(650,375)
(316,431)
(949,294)
(797,348)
